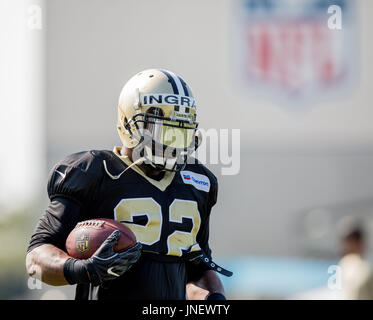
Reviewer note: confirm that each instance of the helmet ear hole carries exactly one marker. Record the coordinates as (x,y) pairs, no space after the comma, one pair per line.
(124,123)
(155,111)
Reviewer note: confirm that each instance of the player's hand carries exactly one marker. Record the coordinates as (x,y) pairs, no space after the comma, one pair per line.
(104,265)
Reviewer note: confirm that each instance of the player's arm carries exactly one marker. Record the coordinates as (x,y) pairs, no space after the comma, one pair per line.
(46,257)
(209,286)
(47,260)
(68,189)
(46,263)
(204,282)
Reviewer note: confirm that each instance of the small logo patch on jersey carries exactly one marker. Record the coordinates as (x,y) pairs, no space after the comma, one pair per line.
(199,181)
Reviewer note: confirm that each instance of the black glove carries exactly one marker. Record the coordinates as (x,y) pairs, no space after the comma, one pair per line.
(215,296)
(104,265)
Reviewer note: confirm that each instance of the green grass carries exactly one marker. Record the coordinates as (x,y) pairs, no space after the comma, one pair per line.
(14,238)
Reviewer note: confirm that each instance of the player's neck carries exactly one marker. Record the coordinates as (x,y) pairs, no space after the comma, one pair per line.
(147,169)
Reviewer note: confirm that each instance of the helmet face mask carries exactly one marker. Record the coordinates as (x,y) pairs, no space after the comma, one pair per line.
(160,126)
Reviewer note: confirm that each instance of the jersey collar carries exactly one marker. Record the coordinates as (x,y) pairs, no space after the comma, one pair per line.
(161,184)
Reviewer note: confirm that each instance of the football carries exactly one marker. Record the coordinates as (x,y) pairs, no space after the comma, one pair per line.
(87,236)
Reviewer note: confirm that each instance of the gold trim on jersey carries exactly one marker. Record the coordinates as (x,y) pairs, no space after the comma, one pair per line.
(161,184)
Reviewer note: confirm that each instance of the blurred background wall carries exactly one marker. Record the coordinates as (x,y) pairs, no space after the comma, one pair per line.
(22,134)
(306,147)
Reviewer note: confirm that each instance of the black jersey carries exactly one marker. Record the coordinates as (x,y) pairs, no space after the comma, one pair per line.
(170,217)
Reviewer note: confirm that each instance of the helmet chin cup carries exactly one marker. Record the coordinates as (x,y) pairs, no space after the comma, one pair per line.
(168,165)
(168,161)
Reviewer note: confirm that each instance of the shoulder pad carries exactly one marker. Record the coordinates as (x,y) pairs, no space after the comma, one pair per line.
(77,176)
(114,167)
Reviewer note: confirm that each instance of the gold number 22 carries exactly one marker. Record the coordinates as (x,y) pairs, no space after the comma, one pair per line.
(150,233)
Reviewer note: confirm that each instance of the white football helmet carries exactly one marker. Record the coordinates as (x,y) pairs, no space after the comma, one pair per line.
(157,118)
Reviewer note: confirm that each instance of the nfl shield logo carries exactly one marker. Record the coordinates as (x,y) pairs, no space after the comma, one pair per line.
(286,51)
(82,243)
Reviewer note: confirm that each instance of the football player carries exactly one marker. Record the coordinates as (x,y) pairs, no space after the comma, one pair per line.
(153,186)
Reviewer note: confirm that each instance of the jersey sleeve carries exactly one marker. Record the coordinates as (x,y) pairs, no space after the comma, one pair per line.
(75,178)
(204,233)
(56,223)
(196,268)
(71,189)
(213,194)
